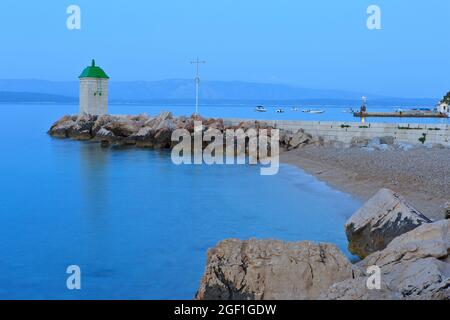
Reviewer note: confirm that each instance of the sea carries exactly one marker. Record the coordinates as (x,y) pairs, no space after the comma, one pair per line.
(135,224)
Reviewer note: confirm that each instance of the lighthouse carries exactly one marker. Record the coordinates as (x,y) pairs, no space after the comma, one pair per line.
(93,91)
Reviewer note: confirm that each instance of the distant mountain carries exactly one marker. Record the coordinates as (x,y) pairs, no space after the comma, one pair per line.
(181,89)
(31,97)
(220,90)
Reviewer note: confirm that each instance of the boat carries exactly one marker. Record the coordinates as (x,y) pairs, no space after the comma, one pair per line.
(349,110)
(312,111)
(294,109)
(260,109)
(279,110)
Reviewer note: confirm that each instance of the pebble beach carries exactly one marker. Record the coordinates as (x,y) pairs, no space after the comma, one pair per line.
(421,175)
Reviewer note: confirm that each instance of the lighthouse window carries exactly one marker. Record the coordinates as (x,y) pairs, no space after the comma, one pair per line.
(99,88)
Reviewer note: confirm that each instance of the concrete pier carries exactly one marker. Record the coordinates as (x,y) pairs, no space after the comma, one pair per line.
(346,131)
(403,114)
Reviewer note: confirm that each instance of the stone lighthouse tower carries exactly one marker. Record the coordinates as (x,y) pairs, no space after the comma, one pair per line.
(93,91)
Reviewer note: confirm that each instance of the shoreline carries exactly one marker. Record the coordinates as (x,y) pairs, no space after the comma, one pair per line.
(346,171)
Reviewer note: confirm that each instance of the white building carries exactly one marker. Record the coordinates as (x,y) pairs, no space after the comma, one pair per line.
(93,91)
(443,107)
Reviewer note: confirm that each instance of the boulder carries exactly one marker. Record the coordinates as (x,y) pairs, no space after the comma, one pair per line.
(82,129)
(60,128)
(123,128)
(428,240)
(144,137)
(105,135)
(359,142)
(197,117)
(374,142)
(356,289)
(382,218)
(245,125)
(102,121)
(263,125)
(271,269)
(368,149)
(447,210)
(414,266)
(214,124)
(299,138)
(154,122)
(389,140)
(140,118)
(404,146)
(163,138)
(382,143)
(285,137)
(166,124)
(384,147)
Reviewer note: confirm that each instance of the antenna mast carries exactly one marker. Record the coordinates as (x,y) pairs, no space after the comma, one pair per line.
(197,81)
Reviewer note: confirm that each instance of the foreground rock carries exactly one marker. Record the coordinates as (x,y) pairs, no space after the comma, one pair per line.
(415,265)
(270,269)
(447,210)
(382,218)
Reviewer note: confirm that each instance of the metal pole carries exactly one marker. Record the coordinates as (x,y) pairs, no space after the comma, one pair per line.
(197,82)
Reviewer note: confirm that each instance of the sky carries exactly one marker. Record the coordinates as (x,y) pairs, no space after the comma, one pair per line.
(322,44)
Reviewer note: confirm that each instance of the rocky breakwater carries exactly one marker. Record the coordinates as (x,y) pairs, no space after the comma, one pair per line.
(415,264)
(156,132)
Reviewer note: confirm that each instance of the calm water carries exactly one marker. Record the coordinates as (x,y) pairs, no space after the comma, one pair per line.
(137,225)
(246,110)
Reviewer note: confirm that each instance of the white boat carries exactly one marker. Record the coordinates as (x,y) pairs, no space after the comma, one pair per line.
(280,110)
(260,109)
(294,109)
(313,111)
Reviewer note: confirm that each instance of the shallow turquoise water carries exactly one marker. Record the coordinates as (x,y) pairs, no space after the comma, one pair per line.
(137,225)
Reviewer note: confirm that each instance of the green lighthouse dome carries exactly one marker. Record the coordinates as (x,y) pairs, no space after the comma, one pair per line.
(93,72)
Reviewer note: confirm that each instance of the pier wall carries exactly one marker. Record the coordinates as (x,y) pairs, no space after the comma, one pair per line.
(344,131)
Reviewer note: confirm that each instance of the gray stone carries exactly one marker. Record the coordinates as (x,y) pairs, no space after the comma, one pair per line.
(384,147)
(123,128)
(382,218)
(154,122)
(414,266)
(404,146)
(447,210)
(374,142)
(82,129)
(271,269)
(359,142)
(60,128)
(389,140)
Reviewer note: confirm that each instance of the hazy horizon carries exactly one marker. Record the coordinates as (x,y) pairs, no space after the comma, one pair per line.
(184,89)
